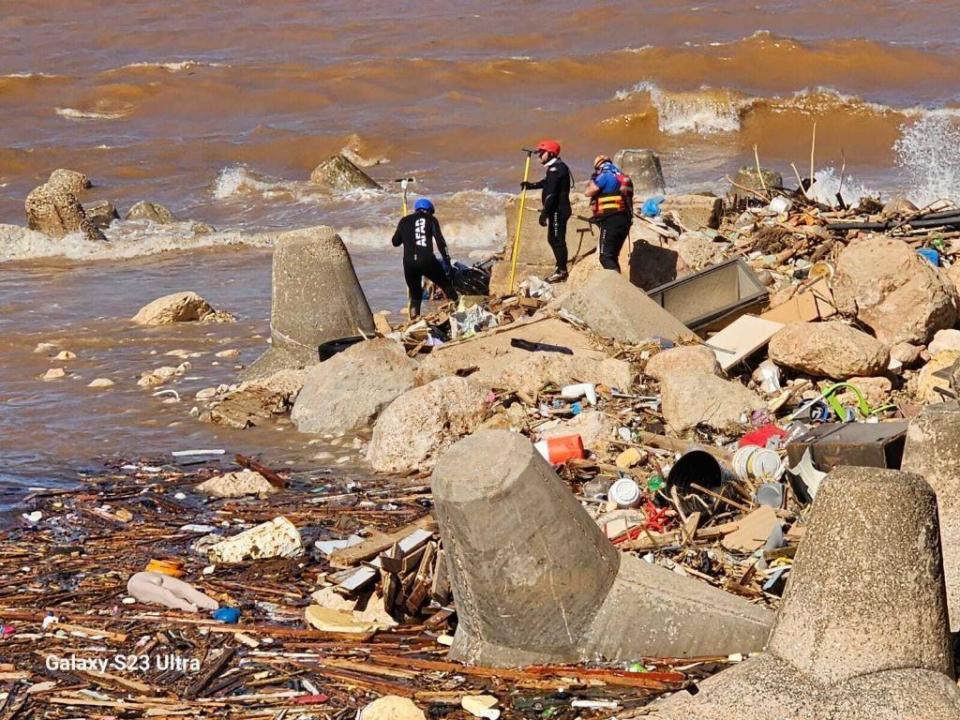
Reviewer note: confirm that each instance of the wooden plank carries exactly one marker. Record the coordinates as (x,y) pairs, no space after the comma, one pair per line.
(371,547)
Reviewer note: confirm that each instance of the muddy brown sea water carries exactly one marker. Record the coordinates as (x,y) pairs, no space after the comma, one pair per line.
(220,110)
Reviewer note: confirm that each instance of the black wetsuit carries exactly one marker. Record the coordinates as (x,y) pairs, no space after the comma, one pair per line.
(417,233)
(556,208)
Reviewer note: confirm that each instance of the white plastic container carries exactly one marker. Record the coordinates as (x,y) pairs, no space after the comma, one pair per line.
(573,392)
(625,493)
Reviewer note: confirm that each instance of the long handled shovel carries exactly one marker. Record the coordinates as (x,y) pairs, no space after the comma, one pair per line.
(523,201)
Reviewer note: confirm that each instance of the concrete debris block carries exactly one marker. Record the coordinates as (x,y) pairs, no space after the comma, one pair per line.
(154,212)
(697,398)
(493,361)
(236,484)
(177,307)
(845,647)
(71,181)
(534,249)
(338,173)
(933,451)
(101,214)
(350,389)
(877,524)
(643,167)
(530,591)
(275,538)
(681,360)
(829,349)
(906,353)
(694,212)
(697,250)
(612,307)
(893,291)
(392,707)
(944,340)
(421,422)
(595,429)
(748,178)
(54,210)
(316,298)
(256,401)
(928,381)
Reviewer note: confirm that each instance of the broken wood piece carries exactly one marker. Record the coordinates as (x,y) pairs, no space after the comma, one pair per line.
(369,548)
(250,464)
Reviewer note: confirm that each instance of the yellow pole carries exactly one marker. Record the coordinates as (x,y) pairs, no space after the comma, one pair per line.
(403,186)
(516,238)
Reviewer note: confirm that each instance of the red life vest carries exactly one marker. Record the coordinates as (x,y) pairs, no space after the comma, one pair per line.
(619,201)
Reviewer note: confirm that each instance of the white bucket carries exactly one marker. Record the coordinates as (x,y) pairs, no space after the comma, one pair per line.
(756,463)
(625,493)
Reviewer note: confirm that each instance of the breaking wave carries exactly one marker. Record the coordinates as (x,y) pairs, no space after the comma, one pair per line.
(171,66)
(928,153)
(75,114)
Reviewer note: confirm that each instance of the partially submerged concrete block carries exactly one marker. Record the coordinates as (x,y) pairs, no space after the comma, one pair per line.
(612,307)
(643,167)
(933,451)
(862,632)
(534,249)
(338,173)
(536,581)
(316,298)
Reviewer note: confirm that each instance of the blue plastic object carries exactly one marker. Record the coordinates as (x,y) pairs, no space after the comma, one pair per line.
(576,408)
(930,255)
(423,204)
(227,614)
(651,206)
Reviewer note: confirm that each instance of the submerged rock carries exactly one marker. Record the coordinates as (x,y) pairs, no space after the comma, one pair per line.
(155,212)
(102,213)
(338,173)
(257,401)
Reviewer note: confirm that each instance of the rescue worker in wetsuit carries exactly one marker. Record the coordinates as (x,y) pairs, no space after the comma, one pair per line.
(555,199)
(417,233)
(611,210)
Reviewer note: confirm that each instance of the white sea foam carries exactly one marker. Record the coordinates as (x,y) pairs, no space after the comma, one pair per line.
(74,114)
(827,184)
(171,66)
(928,153)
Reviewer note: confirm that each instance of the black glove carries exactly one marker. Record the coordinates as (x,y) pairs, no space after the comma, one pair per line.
(543,219)
(526,185)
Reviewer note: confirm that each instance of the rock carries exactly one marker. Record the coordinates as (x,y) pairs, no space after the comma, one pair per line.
(54,374)
(177,307)
(928,382)
(558,591)
(101,383)
(614,308)
(316,298)
(944,340)
(257,401)
(101,214)
(749,178)
(44,347)
(694,211)
(350,389)
(65,355)
(231,353)
(498,364)
(697,398)
(423,421)
(276,538)
(828,349)
(154,212)
(906,353)
(55,211)
(206,394)
(875,390)
(595,428)
(953,275)
(697,250)
(392,707)
(893,291)
(898,206)
(155,378)
(643,167)
(338,173)
(70,181)
(683,359)
(236,484)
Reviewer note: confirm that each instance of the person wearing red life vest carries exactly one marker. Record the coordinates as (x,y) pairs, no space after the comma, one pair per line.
(611,199)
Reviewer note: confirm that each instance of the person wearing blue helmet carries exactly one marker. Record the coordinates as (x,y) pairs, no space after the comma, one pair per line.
(418,232)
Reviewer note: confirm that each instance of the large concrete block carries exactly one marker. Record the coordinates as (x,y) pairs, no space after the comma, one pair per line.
(316,298)
(535,580)
(534,249)
(613,307)
(862,633)
(933,451)
(643,167)
(694,211)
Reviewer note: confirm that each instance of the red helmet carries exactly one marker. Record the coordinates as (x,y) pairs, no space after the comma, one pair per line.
(551,146)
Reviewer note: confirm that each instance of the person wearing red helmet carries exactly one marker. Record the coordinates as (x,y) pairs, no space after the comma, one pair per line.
(555,198)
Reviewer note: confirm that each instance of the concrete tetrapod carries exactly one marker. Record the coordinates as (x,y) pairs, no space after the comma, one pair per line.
(536,581)
(933,451)
(316,298)
(862,632)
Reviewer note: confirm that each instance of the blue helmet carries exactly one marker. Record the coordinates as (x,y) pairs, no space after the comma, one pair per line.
(423,205)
